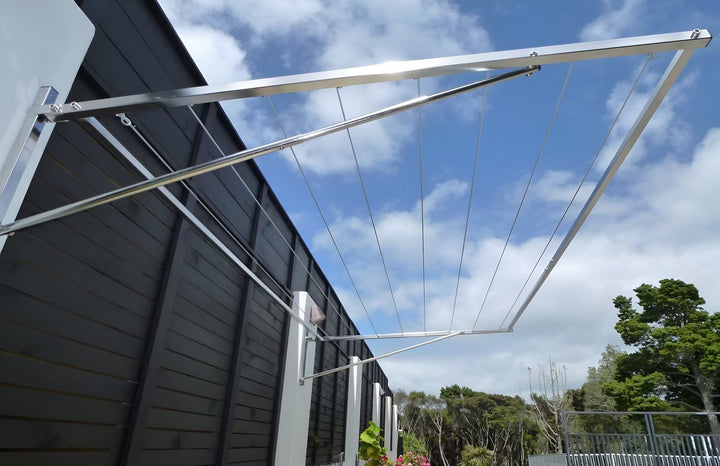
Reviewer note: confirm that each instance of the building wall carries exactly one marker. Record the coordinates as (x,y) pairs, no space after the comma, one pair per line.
(127,337)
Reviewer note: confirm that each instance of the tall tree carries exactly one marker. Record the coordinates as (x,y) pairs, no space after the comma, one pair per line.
(434,410)
(500,424)
(592,397)
(677,363)
(550,402)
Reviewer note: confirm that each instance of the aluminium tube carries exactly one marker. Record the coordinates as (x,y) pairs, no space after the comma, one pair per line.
(248,154)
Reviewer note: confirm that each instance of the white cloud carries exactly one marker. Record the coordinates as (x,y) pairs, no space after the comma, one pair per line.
(619,17)
(400,238)
(672,232)
(556,186)
(664,131)
(664,226)
(217,53)
(329,35)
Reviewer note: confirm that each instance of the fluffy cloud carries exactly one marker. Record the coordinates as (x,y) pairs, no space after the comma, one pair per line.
(619,17)
(217,53)
(672,233)
(665,130)
(657,225)
(334,32)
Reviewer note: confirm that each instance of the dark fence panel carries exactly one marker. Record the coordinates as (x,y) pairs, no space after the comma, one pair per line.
(127,337)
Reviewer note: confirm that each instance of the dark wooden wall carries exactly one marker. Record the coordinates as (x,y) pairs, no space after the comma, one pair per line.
(127,337)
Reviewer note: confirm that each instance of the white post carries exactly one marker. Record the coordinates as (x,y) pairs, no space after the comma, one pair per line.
(291,444)
(393,454)
(387,430)
(352,415)
(31,60)
(376,404)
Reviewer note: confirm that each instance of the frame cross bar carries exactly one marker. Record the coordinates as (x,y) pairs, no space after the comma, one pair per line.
(392,71)
(248,154)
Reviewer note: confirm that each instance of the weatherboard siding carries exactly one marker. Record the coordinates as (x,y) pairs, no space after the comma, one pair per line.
(126,337)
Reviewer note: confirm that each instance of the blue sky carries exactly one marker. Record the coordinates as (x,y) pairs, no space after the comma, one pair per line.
(657,219)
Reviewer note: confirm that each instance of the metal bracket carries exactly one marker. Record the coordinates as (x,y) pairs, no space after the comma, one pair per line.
(17,169)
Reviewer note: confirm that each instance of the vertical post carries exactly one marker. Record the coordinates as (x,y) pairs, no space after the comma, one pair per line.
(650,426)
(376,404)
(563,420)
(352,415)
(387,429)
(291,444)
(291,283)
(393,453)
(18,167)
(31,60)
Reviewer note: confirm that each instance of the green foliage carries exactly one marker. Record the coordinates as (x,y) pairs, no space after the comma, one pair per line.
(454,392)
(639,392)
(499,423)
(414,444)
(678,351)
(475,456)
(370,449)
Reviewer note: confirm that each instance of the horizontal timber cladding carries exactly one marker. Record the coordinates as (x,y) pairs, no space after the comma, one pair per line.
(126,336)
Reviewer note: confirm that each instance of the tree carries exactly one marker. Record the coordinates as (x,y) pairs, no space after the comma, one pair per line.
(550,403)
(593,397)
(476,456)
(455,391)
(411,415)
(414,444)
(676,364)
(500,424)
(434,409)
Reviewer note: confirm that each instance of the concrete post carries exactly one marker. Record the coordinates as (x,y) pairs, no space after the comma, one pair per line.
(352,415)
(393,453)
(291,444)
(376,404)
(387,429)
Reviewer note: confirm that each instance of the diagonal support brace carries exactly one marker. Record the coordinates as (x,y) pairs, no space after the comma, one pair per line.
(248,154)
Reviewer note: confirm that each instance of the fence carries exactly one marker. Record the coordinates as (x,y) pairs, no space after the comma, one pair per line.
(647,439)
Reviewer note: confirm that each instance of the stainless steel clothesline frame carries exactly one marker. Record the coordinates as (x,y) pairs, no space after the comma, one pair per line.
(529,60)
(392,71)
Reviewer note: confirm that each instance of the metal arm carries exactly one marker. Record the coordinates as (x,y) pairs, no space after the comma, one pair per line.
(248,154)
(382,72)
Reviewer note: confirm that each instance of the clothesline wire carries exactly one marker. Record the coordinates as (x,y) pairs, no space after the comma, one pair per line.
(422,209)
(470,198)
(367,204)
(577,190)
(522,200)
(322,216)
(204,205)
(272,222)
